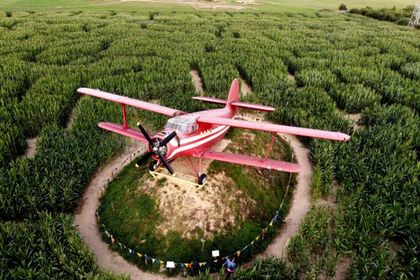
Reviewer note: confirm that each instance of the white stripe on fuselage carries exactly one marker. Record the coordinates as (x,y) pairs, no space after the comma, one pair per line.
(216,133)
(200,136)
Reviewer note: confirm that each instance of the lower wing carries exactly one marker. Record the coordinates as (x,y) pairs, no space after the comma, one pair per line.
(252,161)
(128,132)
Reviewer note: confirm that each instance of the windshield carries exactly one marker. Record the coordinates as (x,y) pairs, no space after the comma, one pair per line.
(184,124)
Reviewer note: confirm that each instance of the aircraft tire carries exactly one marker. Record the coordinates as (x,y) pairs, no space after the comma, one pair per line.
(153,165)
(202,179)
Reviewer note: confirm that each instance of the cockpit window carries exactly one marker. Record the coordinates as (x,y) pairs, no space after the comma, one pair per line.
(185,124)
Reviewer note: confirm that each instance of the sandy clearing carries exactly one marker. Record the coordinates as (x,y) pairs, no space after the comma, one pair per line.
(213,204)
(198,85)
(354,119)
(216,206)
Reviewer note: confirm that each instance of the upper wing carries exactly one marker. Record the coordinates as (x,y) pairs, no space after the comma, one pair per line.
(253,161)
(308,132)
(130,101)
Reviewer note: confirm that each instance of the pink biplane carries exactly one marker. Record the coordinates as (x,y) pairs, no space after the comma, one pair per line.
(193,134)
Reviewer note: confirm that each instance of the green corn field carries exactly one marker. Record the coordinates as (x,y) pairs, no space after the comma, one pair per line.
(313,67)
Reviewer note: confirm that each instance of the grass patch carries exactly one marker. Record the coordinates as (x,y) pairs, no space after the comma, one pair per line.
(132,216)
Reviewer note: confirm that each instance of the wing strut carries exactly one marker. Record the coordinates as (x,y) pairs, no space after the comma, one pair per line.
(124,112)
(270,147)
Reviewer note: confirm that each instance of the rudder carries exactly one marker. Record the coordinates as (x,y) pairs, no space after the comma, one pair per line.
(233,92)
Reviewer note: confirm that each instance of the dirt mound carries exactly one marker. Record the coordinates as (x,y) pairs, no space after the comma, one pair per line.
(194,211)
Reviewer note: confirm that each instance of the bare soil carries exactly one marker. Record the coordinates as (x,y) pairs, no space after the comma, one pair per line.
(245,88)
(31,149)
(301,202)
(216,206)
(341,268)
(354,119)
(198,85)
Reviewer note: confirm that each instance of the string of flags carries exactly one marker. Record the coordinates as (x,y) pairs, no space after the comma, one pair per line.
(187,265)
(194,264)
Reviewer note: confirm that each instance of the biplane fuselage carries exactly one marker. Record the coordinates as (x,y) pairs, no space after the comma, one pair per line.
(194,138)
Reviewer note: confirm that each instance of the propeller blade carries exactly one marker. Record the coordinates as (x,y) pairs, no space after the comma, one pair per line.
(146,135)
(143,159)
(165,162)
(167,139)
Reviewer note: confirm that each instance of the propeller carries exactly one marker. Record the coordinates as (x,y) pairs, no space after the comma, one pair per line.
(156,145)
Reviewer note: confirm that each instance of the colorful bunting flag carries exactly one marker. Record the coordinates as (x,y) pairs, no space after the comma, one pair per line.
(190,265)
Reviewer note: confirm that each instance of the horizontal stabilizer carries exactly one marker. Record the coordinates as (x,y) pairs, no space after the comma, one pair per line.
(235,103)
(299,131)
(128,132)
(253,106)
(210,100)
(253,161)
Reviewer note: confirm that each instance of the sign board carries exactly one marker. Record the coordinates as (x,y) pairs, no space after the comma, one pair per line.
(170,265)
(215,253)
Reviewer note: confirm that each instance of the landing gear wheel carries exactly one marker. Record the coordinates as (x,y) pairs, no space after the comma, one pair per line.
(153,165)
(202,179)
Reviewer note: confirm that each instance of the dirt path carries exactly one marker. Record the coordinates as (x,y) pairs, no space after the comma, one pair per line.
(301,202)
(85,219)
(198,85)
(31,149)
(245,88)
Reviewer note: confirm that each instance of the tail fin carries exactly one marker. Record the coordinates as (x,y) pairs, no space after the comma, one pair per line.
(232,97)
(233,92)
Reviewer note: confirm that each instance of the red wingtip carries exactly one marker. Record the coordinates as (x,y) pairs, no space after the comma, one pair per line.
(345,137)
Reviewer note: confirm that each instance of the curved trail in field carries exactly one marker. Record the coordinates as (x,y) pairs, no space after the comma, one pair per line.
(301,202)
(85,216)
